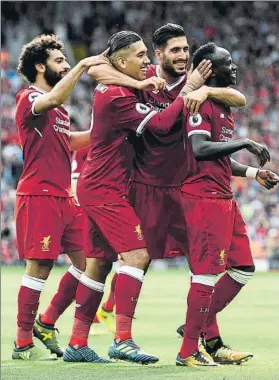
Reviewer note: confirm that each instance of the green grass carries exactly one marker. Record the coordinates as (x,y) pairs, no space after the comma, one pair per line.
(250,323)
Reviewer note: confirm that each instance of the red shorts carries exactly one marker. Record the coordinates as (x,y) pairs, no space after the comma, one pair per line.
(111,229)
(47,226)
(161,214)
(217,235)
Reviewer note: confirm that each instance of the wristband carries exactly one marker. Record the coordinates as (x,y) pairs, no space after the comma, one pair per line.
(251,172)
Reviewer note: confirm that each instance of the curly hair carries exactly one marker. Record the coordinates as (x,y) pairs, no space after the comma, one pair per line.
(37,51)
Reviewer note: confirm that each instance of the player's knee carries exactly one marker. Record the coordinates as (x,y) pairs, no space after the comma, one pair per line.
(78,260)
(137,258)
(241,274)
(39,268)
(98,269)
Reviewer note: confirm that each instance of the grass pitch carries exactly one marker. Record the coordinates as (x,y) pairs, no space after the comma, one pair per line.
(250,323)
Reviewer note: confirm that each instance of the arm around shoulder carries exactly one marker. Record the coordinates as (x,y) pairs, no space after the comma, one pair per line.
(227,95)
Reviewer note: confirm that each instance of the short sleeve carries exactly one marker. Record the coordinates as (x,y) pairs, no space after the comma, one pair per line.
(26,104)
(201,122)
(132,114)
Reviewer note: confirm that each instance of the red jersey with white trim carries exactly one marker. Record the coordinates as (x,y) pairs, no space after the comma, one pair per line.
(78,159)
(45,140)
(160,159)
(117,113)
(209,179)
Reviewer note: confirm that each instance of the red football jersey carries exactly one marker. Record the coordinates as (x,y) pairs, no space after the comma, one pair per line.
(117,113)
(45,140)
(160,159)
(211,179)
(78,159)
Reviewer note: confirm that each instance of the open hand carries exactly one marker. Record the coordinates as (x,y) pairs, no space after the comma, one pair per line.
(196,78)
(258,150)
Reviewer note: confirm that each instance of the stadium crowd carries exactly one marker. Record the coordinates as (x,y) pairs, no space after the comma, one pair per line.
(85,28)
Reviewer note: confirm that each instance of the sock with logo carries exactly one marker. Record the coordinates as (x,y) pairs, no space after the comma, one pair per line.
(88,298)
(64,296)
(110,302)
(28,303)
(199,298)
(225,291)
(127,290)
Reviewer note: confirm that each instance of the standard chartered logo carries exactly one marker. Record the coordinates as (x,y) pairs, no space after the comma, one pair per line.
(57,127)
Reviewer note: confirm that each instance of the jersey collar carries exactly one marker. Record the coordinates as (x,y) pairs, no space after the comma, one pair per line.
(170,87)
(37,88)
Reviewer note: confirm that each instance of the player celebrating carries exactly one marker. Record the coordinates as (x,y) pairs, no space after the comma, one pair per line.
(159,164)
(105,314)
(114,228)
(216,232)
(48,222)
(44,130)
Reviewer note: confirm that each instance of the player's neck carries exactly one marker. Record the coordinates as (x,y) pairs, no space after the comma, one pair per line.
(42,84)
(212,82)
(168,78)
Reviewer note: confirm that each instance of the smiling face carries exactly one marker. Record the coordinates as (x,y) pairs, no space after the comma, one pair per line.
(56,67)
(133,61)
(224,69)
(174,57)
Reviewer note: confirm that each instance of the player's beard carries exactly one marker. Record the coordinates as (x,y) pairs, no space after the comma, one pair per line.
(52,77)
(169,69)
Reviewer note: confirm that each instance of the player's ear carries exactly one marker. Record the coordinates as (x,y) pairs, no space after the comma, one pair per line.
(213,74)
(121,62)
(158,53)
(40,67)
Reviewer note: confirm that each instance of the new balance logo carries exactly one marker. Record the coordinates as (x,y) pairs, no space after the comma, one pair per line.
(78,305)
(222,116)
(204,310)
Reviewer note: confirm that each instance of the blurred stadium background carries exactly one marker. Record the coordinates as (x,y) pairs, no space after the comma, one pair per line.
(248,29)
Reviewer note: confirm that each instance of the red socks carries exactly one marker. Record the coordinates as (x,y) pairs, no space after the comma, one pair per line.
(28,303)
(127,290)
(224,292)
(64,296)
(199,298)
(88,298)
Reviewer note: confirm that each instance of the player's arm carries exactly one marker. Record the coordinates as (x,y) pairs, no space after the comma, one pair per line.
(131,114)
(62,90)
(80,139)
(266,178)
(227,95)
(107,74)
(165,120)
(204,149)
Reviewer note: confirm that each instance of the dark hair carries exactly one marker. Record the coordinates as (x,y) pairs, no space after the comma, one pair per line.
(204,52)
(164,33)
(37,51)
(122,40)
